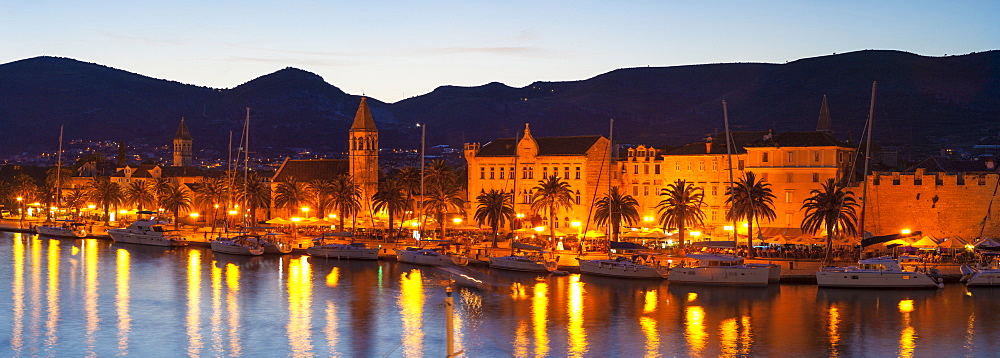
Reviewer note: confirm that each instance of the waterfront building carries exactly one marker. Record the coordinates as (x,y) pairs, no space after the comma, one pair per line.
(516,165)
(182,146)
(939,197)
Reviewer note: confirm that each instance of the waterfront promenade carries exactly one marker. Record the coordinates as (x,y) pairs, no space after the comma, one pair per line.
(793,270)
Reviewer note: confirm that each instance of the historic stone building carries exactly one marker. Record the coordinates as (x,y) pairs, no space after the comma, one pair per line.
(363,153)
(182,146)
(517,166)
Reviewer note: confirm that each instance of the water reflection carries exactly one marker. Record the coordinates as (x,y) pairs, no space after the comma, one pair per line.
(833,329)
(216,318)
(17,289)
(906,344)
(574,307)
(194,303)
(122,300)
(52,294)
(411,309)
(90,295)
(34,327)
(539,317)
(694,321)
(233,308)
(299,306)
(648,323)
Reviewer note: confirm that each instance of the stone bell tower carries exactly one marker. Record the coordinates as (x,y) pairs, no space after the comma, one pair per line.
(363,153)
(182,146)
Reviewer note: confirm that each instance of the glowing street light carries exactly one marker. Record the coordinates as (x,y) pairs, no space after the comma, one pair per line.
(193,215)
(575,224)
(305,209)
(539,228)
(728,228)
(457,221)
(905,231)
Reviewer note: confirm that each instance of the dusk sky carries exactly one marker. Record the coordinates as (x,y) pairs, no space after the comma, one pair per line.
(394,50)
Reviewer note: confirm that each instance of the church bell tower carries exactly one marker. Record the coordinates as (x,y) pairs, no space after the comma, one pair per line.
(363,153)
(182,146)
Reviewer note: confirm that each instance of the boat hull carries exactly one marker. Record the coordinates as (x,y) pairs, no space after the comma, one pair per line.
(622,269)
(722,276)
(773,271)
(984,278)
(429,258)
(341,252)
(514,263)
(58,231)
(125,236)
(850,279)
(225,248)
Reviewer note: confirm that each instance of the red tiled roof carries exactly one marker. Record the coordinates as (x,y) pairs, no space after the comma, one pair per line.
(311,169)
(547,146)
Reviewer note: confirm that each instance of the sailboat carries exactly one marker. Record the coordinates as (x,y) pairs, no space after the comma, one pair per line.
(62,228)
(243,243)
(880,272)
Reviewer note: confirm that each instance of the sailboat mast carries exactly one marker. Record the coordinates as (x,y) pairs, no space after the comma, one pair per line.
(729,157)
(59,170)
(246,162)
(611,173)
(868,158)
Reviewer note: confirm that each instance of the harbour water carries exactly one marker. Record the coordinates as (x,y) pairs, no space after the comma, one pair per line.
(94,297)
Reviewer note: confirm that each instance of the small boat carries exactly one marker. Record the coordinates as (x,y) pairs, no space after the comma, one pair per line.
(624,267)
(68,229)
(879,272)
(720,269)
(429,257)
(249,245)
(147,232)
(326,246)
(273,245)
(527,263)
(983,275)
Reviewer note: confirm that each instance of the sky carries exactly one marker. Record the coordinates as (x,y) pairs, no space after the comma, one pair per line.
(394,50)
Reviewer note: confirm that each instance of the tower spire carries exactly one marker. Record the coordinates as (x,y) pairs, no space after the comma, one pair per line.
(182,146)
(823,125)
(363,119)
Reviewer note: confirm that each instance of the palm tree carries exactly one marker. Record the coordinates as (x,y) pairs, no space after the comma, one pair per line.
(495,209)
(76,200)
(618,208)
(176,198)
(105,193)
(442,196)
(24,188)
(345,198)
(680,207)
(831,207)
(210,193)
(321,190)
(159,186)
(409,180)
(139,193)
(551,195)
(255,194)
(290,194)
(751,200)
(390,198)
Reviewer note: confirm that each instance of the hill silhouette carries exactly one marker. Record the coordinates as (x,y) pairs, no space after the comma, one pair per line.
(922,103)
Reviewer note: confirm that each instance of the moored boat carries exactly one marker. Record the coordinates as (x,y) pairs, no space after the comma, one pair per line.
(527,263)
(624,267)
(147,232)
(328,247)
(68,229)
(429,257)
(984,275)
(719,269)
(879,272)
(249,245)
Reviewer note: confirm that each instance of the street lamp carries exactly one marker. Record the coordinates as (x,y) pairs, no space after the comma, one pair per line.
(905,231)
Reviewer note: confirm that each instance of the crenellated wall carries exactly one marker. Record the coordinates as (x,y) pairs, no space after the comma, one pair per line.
(938,204)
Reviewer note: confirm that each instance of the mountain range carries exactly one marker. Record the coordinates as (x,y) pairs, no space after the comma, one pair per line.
(922,104)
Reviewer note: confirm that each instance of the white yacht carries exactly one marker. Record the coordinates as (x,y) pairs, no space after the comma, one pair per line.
(527,263)
(249,245)
(982,275)
(636,267)
(353,251)
(720,269)
(429,257)
(147,232)
(272,244)
(879,272)
(68,229)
